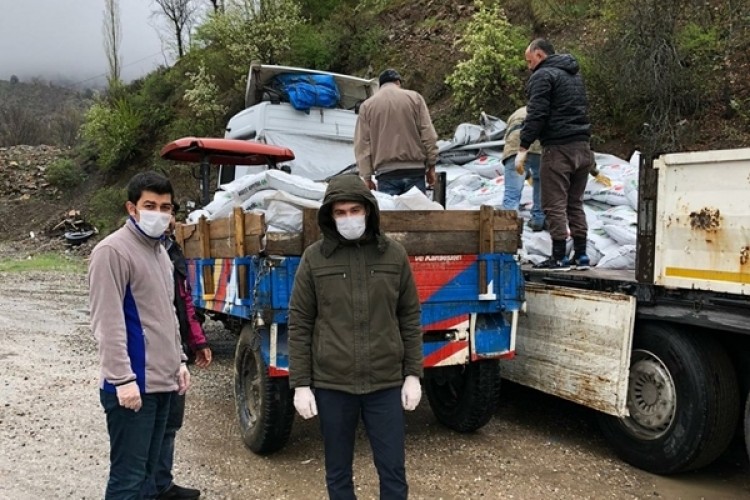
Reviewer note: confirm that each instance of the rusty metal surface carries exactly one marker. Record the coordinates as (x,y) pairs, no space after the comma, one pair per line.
(575,344)
(703,222)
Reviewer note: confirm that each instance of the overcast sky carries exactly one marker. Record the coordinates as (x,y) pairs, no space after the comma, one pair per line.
(63,38)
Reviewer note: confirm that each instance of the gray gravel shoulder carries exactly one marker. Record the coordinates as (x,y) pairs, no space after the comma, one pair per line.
(53,442)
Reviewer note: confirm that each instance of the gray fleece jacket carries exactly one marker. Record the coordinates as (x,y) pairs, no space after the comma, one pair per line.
(131,294)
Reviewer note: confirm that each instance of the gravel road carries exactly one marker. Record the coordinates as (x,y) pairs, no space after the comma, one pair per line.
(53,442)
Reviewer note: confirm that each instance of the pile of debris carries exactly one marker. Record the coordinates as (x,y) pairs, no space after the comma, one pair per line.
(22,170)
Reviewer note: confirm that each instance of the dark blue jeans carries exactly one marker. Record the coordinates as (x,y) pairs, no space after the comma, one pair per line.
(135,439)
(383,416)
(161,480)
(399,185)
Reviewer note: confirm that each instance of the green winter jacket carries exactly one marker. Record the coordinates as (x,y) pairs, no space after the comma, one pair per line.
(354,314)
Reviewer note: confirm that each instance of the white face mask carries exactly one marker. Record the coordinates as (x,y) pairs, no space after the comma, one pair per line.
(154,223)
(351,228)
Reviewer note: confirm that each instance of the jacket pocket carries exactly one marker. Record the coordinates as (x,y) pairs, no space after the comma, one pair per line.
(383,286)
(331,287)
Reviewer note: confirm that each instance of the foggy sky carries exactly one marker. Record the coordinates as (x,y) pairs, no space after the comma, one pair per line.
(63,39)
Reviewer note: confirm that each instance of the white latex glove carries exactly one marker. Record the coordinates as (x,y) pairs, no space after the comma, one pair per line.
(304,402)
(183,381)
(411,393)
(520,162)
(129,396)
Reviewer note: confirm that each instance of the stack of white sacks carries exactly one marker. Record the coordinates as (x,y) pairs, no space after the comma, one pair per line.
(610,211)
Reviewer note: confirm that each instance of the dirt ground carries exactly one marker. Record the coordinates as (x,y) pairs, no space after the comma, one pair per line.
(53,442)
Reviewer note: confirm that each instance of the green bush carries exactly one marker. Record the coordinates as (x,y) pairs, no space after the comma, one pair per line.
(647,76)
(107,209)
(314,46)
(65,173)
(111,133)
(489,78)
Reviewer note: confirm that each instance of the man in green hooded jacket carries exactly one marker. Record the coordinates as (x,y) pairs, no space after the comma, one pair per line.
(355,340)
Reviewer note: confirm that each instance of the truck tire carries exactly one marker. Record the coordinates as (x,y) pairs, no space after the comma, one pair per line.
(683,401)
(264,404)
(464,398)
(747,424)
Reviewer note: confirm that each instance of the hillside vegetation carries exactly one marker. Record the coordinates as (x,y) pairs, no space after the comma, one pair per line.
(662,75)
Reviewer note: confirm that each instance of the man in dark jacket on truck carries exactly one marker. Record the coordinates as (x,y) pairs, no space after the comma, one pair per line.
(355,338)
(557,116)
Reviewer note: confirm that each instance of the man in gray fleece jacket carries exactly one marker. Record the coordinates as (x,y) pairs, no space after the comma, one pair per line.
(131,295)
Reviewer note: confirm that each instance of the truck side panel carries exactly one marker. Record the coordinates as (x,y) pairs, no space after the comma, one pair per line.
(575,344)
(703,221)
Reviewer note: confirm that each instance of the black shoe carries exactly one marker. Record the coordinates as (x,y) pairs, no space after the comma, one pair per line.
(179,492)
(553,265)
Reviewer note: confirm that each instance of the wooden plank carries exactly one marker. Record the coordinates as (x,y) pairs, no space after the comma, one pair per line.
(450,220)
(239,250)
(486,242)
(221,228)
(239,232)
(284,243)
(204,237)
(310,228)
(421,233)
(179,235)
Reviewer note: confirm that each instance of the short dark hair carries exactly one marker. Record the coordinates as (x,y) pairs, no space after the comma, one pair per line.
(542,44)
(389,75)
(148,181)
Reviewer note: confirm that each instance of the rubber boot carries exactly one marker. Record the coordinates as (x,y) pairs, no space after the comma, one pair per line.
(580,259)
(558,261)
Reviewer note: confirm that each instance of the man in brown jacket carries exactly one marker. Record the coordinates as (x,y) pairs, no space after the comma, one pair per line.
(394,139)
(355,338)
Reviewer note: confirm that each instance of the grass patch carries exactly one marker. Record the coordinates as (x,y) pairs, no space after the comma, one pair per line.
(43,262)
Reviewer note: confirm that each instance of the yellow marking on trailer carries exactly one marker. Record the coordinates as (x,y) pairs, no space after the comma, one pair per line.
(708,274)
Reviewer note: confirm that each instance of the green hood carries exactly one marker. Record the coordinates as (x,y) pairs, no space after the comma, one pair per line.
(348,188)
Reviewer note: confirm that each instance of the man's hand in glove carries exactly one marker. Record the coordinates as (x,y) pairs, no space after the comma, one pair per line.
(129,396)
(183,381)
(603,179)
(304,402)
(411,393)
(520,161)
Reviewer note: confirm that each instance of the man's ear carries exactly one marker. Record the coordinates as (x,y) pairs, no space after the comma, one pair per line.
(130,208)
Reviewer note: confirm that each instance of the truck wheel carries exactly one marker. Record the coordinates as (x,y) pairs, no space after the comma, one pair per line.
(683,402)
(264,404)
(464,398)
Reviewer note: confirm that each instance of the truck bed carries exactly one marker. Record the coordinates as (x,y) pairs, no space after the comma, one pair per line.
(592,279)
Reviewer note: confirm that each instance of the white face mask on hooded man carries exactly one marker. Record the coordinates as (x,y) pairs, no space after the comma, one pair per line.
(352,227)
(153,223)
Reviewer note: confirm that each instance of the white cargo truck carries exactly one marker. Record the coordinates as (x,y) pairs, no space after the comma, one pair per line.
(663,352)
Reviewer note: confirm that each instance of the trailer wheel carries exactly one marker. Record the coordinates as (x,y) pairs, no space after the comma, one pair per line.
(464,398)
(264,404)
(683,401)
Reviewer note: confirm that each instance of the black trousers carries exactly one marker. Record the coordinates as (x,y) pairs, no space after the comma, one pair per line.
(383,416)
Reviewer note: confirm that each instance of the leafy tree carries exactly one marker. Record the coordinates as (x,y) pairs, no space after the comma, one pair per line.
(203,100)
(489,78)
(255,30)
